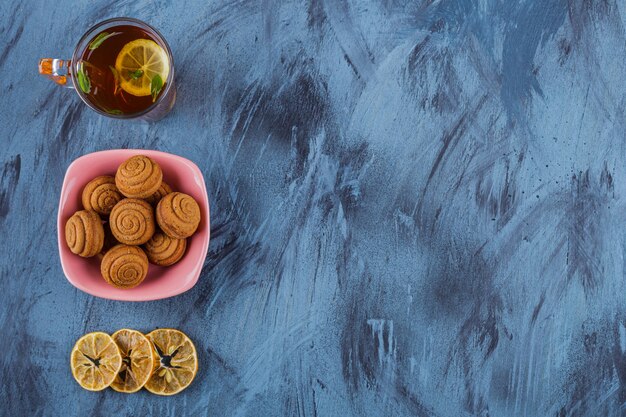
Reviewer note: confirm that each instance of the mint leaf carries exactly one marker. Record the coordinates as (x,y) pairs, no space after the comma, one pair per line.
(83,79)
(155,86)
(101,38)
(136,74)
(115,111)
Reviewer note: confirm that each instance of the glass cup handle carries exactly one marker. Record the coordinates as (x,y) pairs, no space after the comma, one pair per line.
(58,70)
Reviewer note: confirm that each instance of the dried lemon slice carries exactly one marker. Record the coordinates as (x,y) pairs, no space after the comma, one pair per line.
(95,361)
(138,360)
(178,362)
(138,63)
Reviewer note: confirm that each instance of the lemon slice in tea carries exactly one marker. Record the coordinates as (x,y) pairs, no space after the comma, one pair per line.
(178,362)
(138,360)
(138,63)
(95,361)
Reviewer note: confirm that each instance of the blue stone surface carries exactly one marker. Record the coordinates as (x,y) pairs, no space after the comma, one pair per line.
(418,207)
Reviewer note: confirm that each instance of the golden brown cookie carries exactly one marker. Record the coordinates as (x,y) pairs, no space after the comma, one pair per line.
(178,215)
(163,190)
(164,250)
(138,177)
(132,221)
(124,266)
(101,194)
(84,233)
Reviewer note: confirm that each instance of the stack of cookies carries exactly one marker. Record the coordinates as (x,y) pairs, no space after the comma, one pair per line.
(132,219)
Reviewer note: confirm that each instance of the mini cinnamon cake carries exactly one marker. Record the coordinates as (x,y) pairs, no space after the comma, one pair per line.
(178,215)
(124,266)
(163,250)
(101,195)
(138,177)
(84,233)
(132,221)
(163,190)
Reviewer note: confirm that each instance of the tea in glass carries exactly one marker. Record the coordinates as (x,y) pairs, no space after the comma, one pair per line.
(122,68)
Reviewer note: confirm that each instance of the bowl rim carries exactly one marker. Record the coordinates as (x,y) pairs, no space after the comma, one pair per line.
(140,296)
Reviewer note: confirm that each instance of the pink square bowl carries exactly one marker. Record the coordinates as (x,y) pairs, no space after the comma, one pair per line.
(84,273)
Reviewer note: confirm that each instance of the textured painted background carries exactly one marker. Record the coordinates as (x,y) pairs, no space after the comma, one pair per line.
(418,207)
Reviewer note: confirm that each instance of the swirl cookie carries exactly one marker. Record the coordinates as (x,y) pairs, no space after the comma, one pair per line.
(163,250)
(124,266)
(132,221)
(84,234)
(101,195)
(138,177)
(163,190)
(178,215)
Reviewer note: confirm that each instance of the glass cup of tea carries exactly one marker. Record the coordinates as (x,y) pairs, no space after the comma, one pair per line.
(121,68)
